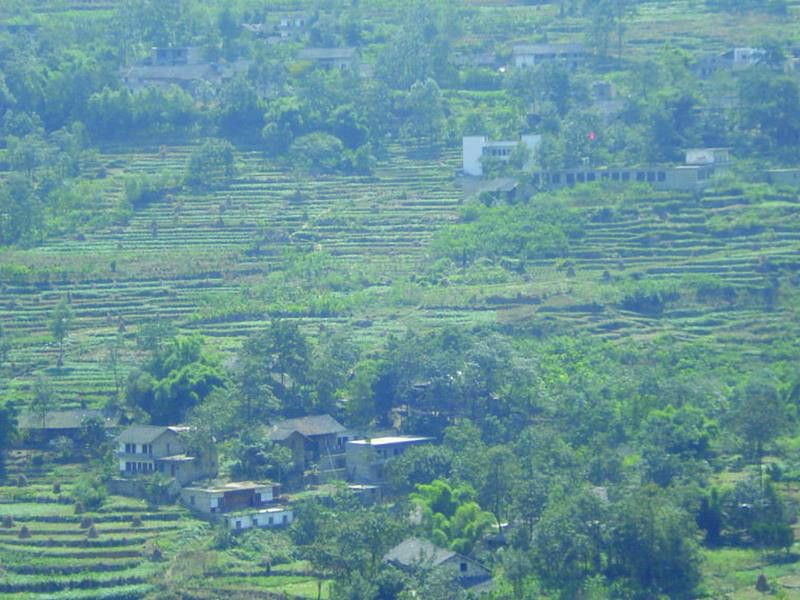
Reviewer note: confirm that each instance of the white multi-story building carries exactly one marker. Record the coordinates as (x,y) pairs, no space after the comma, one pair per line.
(476,147)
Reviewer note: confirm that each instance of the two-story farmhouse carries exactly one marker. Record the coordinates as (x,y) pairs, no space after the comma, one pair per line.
(477,148)
(144,449)
(316,439)
(366,459)
(414,554)
(531,55)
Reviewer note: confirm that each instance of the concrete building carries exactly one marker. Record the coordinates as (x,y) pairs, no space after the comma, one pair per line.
(340,59)
(531,55)
(147,449)
(477,147)
(265,518)
(366,459)
(231,496)
(414,554)
(680,178)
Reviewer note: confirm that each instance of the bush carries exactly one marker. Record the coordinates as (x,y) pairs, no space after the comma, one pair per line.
(8,522)
(92,533)
(22,481)
(136,521)
(24,532)
(56,488)
(79,508)
(86,522)
(90,493)
(211,165)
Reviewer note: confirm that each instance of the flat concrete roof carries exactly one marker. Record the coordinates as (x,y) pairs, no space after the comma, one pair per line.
(232,486)
(390,440)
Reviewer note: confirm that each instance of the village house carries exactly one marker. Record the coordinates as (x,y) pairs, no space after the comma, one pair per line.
(264,518)
(340,59)
(146,449)
(316,439)
(183,67)
(58,423)
(366,459)
(414,554)
(783,177)
(239,504)
(735,59)
(476,148)
(218,497)
(531,55)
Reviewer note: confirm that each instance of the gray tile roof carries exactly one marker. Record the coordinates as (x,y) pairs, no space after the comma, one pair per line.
(414,551)
(142,434)
(327,53)
(59,419)
(308,426)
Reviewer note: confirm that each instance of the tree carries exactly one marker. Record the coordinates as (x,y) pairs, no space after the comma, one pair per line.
(426,117)
(770,107)
(59,327)
(759,414)
(652,542)
(44,398)
(5,345)
(93,436)
(211,164)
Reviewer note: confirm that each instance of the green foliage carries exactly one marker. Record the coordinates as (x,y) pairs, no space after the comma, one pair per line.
(524,231)
(176,378)
(211,165)
(90,492)
(451,515)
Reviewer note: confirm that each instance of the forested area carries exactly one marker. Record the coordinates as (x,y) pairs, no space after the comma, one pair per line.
(605,375)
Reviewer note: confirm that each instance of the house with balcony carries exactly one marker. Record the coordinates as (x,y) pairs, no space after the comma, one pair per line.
(366,459)
(147,449)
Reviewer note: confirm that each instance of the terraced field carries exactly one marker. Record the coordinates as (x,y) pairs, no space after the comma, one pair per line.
(338,251)
(49,551)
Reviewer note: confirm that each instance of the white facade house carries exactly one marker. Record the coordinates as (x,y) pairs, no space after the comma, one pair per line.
(476,147)
(531,55)
(265,518)
(366,459)
(708,156)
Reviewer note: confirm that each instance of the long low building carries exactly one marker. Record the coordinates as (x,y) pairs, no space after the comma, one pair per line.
(681,178)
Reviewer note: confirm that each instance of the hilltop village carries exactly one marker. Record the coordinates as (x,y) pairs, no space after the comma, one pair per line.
(381,300)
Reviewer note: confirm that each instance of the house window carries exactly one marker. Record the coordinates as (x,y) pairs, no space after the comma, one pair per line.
(397,451)
(640,176)
(285,519)
(592,176)
(271,521)
(191,500)
(581,178)
(238,524)
(463,567)
(255,521)
(167,449)
(651,176)
(626,176)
